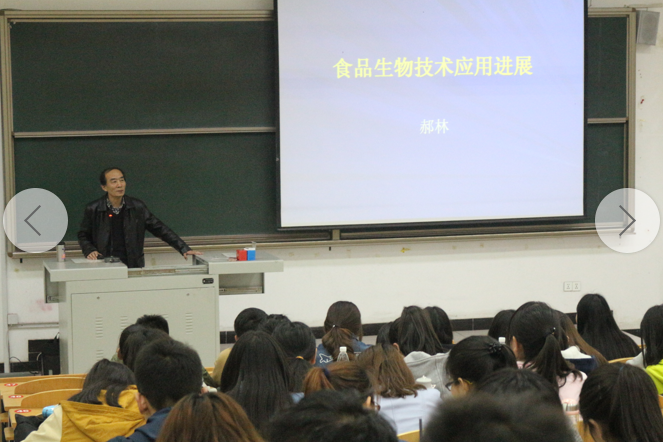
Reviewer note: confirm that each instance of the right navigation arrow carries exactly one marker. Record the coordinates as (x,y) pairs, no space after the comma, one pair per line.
(629,215)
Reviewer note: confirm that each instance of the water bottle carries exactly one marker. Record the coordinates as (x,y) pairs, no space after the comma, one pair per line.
(342,354)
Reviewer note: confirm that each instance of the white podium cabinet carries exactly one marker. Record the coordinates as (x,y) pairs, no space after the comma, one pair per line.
(98,300)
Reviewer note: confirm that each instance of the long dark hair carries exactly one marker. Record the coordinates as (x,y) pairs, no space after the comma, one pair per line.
(387,366)
(105,375)
(298,343)
(256,376)
(597,326)
(574,338)
(415,333)
(210,417)
(342,326)
(499,328)
(623,400)
(475,357)
(441,324)
(536,327)
(652,335)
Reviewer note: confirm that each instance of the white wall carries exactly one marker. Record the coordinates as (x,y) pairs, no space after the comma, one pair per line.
(468,278)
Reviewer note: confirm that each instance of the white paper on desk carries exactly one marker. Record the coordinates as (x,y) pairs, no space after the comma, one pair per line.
(85,261)
(230,255)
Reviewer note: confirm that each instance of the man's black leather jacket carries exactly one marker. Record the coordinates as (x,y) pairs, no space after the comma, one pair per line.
(95,230)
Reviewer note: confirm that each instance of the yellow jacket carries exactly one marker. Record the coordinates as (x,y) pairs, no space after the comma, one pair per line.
(77,422)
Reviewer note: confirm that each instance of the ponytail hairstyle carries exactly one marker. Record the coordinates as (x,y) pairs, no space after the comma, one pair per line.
(415,333)
(387,366)
(441,324)
(298,343)
(652,335)
(536,327)
(342,326)
(623,401)
(597,326)
(574,338)
(476,357)
(339,376)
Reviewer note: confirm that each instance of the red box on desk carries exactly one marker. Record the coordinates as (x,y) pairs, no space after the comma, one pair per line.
(241,255)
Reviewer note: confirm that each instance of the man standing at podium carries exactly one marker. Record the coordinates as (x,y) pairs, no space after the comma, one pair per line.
(115,224)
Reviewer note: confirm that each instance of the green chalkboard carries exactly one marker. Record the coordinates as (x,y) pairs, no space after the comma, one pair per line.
(142,75)
(135,75)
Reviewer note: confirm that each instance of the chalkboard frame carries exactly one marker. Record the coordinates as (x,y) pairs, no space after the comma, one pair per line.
(300,238)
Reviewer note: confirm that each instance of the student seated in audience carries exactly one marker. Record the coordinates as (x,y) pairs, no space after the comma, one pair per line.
(330,416)
(512,381)
(272,321)
(138,337)
(575,349)
(474,358)
(297,341)
(210,417)
(499,328)
(341,376)
(247,320)
(400,399)
(619,403)
(442,326)
(534,338)
(423,351)
(651,328)
(154,321)
(485,418)
(166,370)
(597,326)
(384,335)
(104,408)
(256,376)
(342,328)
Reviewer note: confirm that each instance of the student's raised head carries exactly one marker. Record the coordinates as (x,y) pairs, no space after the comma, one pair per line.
(620,403)
(340,376)
(138,337)
(342,326)
(474,358)
(247,320)
(297,341)
(154,321)
(499,328)
(386,365)
(441,324)
(512,381)
(416,333)
(209,417)
(598,327)
(485,418)
(271,322)
(112,377)
(383,335)
(651,328)
(166,370)
(331,416)
(256,375)
(534,338)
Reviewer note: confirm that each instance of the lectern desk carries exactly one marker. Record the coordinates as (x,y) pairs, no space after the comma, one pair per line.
(98,300)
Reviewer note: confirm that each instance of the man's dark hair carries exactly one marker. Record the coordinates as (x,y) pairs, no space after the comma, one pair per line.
(272,321)
(139,336)
(248,319)
(166,371)
(154,321)
(512,381)
(330,416)
(102,177)
(516,418)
